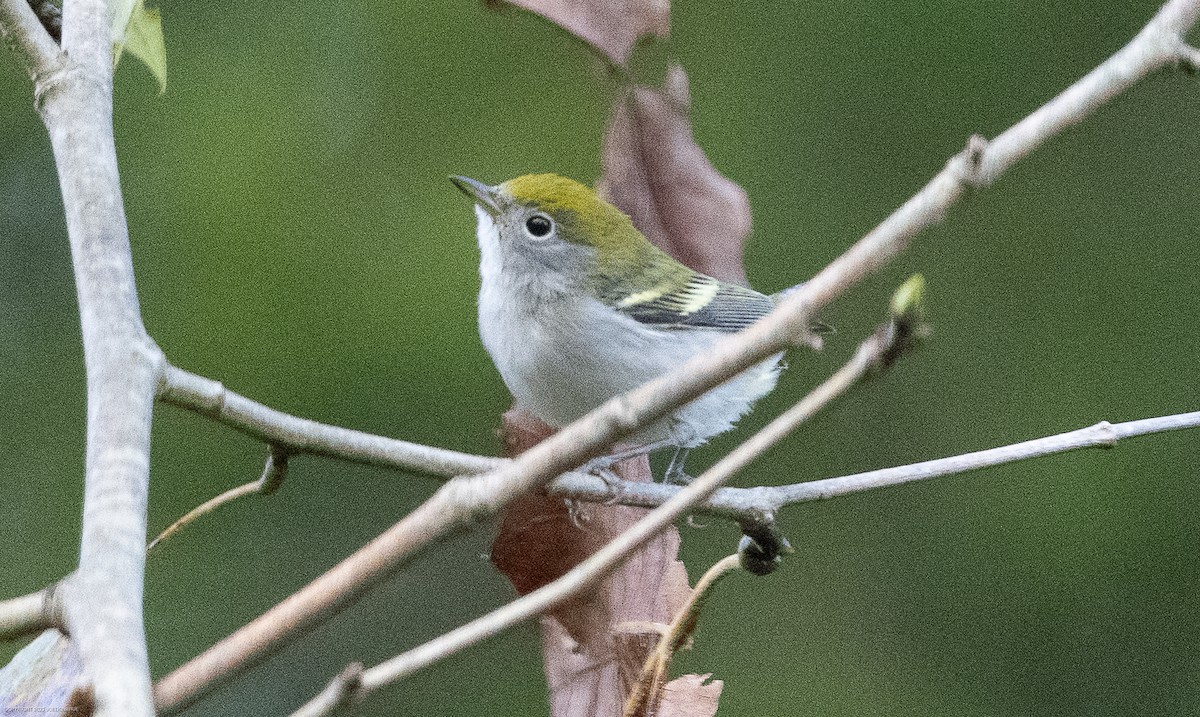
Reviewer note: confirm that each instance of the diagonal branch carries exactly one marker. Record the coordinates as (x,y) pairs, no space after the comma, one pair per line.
(21,29)
(463,501)
(600,564)
(1158,45)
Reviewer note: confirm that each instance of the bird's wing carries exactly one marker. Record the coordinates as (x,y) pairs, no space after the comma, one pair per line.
(696,301)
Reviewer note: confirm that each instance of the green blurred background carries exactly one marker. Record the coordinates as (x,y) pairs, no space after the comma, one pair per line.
(296,238)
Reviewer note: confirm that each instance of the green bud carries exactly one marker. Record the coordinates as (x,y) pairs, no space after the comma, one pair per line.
(907,299)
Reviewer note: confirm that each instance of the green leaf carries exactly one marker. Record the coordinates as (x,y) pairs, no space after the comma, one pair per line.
(141,35)
(119,12)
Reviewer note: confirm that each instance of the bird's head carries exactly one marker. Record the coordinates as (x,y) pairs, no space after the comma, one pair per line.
(544,222)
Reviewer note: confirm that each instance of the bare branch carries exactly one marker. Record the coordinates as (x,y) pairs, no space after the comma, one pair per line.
(22,30)
(31,613)
(103,602)
(342,691)
(302,436)
(1103,434)
(1158,45)
(598,566)
(272,477)
(740,504)
(749,504)
(204,509)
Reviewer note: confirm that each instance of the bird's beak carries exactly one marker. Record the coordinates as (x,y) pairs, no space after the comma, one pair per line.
(484,195)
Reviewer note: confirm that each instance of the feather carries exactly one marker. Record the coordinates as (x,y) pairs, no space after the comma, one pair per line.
(699,301)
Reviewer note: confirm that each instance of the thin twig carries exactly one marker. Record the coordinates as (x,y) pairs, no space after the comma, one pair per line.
(600,564)
(31,613)
(748,504)
(272,477)
(205,508)
(1103,434)
(343,691)
(302,436)
(647,691)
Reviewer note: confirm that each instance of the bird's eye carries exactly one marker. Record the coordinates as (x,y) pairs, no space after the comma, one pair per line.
(538,226)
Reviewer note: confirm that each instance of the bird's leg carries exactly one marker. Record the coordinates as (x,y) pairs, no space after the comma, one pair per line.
(602,466)
(674,473)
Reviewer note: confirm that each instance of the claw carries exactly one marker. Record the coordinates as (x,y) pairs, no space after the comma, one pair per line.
(612,482)
(602,466)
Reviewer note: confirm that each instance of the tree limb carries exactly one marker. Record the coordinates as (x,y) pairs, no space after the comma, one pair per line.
(103,600)
(31,613)
(749,504)
(300,435)
(22,30)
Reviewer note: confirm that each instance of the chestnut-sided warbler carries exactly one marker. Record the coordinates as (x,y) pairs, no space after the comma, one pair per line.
(577,306)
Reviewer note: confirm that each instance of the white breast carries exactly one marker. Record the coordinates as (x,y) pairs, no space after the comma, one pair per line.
(562,355)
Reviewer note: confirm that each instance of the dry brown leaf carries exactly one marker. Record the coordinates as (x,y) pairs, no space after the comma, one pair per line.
(595,646)
(611,26)
(690,696)
(657,174)
(592,654)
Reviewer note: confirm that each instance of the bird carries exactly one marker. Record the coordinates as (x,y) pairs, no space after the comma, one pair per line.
(577,306)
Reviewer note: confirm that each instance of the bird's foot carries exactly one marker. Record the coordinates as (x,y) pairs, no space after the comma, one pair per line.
(602,468)
(675,475)
(600,464)
(678,478)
